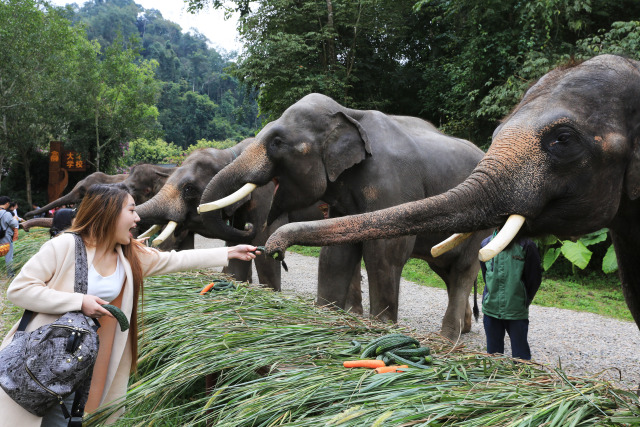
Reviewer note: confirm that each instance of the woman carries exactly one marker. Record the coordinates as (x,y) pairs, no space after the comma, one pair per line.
(118,264)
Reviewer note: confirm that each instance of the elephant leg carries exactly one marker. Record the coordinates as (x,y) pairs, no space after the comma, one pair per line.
(269,272)
(384,260)
(354,297)
(458,315)
(626,241)
(336,268)
(188,242)
(239,270)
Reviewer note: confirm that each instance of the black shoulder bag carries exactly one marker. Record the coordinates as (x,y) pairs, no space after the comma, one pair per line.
(39,369)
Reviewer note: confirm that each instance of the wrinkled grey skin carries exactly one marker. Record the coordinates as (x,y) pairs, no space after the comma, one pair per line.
(145,180)
(361,161)
(142,182)
(567,159)
(179,198)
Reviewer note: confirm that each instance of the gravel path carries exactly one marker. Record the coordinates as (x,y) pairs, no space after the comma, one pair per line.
(585,344)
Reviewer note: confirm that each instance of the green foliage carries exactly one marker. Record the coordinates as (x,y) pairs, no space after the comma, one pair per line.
(203,143)
(156,151)
(623,39)
(39,67)
(577,252)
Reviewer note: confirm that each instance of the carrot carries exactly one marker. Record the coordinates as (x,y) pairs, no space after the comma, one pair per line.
(365,363)
(395,368)
(207,288)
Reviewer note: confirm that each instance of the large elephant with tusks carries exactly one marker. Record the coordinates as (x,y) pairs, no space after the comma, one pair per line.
(359,161)
(566,161)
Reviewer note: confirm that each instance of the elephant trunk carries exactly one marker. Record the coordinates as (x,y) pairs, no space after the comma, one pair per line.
(484,200)
(64,200)
(165,206)
(36,222)
(251,167)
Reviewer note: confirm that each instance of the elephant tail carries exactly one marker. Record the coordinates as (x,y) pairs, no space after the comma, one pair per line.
(476,312)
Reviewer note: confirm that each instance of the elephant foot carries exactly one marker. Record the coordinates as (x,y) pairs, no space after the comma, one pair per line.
(354,309)
(466,327)
(385,317)
(452,334)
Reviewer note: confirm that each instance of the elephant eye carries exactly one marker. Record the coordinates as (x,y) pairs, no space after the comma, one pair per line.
(190,191)
(276,142)
(561,139)
(564,145)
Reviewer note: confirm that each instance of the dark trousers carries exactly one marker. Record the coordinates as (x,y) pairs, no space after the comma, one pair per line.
(494,329)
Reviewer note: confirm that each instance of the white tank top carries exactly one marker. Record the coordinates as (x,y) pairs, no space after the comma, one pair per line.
(108,288)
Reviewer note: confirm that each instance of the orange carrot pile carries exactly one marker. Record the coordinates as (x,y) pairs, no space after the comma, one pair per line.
(394,368)
(366,363)
(207,288)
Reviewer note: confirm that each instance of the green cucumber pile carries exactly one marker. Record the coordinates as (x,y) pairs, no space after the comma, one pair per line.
(396,348)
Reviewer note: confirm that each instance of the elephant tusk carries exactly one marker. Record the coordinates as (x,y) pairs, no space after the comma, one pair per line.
(503,238)
(448,244)
(151,231)
(229,200)
(170,228)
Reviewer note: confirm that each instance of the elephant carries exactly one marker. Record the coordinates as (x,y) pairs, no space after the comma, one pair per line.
(565,161)
(142,182)
(360,161)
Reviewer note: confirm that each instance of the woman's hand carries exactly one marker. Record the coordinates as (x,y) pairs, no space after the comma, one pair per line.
(92,307)
(243,252)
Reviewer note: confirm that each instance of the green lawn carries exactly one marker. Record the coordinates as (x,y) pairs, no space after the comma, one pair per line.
(592,293)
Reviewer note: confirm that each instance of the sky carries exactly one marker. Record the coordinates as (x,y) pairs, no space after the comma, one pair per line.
(209,22)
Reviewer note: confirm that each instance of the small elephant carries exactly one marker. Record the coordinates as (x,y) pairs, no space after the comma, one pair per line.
(360,161)
(566,161)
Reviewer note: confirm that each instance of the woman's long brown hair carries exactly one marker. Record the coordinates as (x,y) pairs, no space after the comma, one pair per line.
(95,221)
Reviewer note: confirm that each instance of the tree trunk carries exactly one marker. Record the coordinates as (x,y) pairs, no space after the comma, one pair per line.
(97,142)
(331,48)
(26,162)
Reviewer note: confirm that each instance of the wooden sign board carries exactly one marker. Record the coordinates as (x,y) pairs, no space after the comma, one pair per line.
(60,162)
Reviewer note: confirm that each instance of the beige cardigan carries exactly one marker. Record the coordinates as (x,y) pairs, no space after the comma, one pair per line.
(45,285)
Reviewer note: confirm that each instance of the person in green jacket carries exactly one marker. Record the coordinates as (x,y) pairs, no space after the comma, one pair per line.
(511,279)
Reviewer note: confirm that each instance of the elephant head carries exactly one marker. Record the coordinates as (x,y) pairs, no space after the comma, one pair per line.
(145,181)
(307,148)
(176,202)
(567,160)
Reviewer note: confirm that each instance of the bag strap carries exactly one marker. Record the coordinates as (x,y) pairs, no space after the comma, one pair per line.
(82,269)
(80,286)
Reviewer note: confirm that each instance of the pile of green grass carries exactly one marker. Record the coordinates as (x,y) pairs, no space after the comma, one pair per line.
(24,248)
(277,360)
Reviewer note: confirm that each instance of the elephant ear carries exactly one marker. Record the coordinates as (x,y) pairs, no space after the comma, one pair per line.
(346,145)
(164,174)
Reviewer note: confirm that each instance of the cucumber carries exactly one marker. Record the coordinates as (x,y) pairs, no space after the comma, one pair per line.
(402,361)
(119,315)
(370,349)
(412,352)
(394,343)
